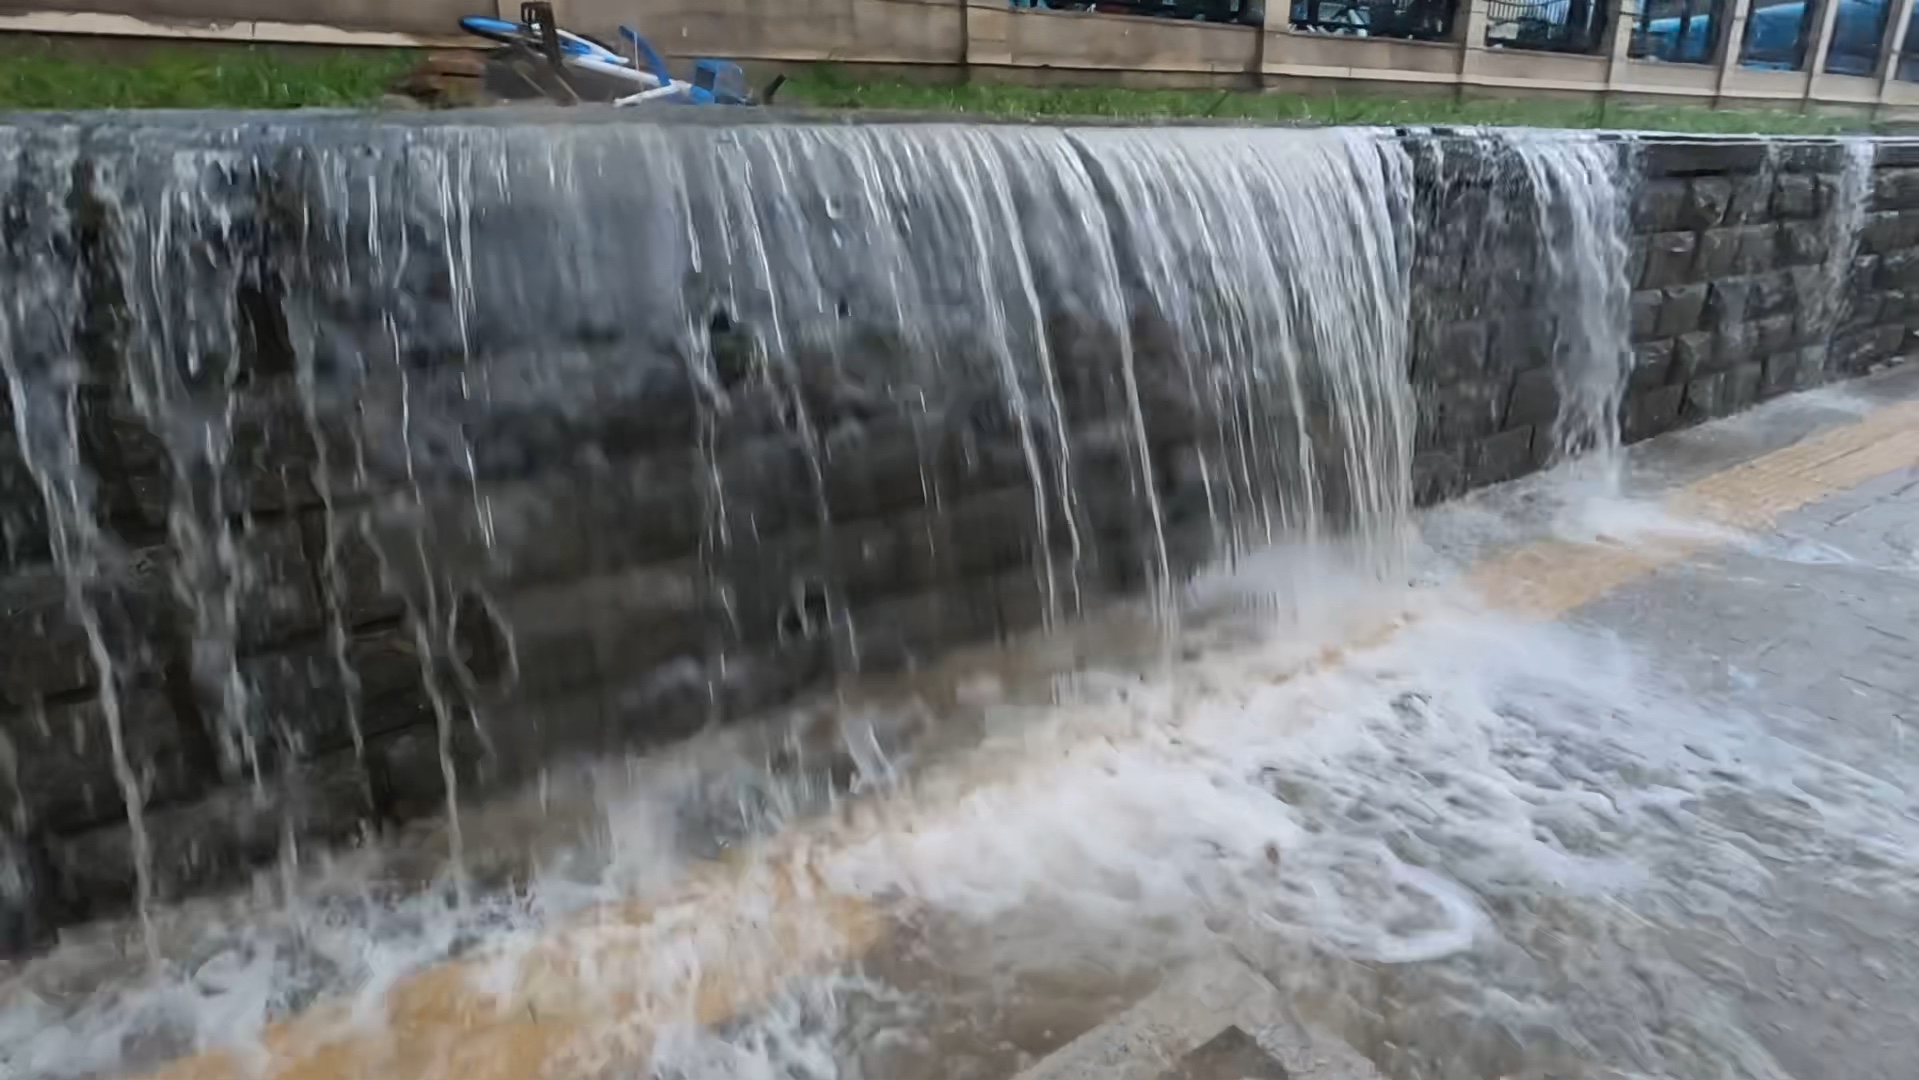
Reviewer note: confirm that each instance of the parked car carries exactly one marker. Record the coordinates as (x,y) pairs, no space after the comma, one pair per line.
(1777,37)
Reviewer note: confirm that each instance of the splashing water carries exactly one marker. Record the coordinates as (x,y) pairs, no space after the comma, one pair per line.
(1463,844)
(1474,850)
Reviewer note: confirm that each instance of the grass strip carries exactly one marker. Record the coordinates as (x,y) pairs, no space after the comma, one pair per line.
(39,75)
(828,88)
(74,75)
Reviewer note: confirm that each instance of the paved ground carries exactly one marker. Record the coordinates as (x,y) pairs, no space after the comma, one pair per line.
(1812,632)
(1664,824)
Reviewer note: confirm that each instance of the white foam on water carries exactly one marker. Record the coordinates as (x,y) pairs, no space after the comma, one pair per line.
(1433,801)
(356,927)
(608,832)
(1445,798)
(87,1009)
(1617,519)
(803,1034)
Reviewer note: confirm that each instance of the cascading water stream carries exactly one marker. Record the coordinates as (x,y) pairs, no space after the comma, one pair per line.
(1127,314)
(753,404)
(1216,321)
(45,373)
(1276,265)
(1581,209)
(1844,213)
(181,358)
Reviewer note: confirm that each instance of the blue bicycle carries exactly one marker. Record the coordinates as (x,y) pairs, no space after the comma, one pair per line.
(714,82)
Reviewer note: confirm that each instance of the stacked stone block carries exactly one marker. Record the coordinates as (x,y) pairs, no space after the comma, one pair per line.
(601,579)
(614,559)
(1739,291)
(1754,273)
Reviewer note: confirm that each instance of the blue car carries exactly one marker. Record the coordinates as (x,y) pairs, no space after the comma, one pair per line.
(1776,37)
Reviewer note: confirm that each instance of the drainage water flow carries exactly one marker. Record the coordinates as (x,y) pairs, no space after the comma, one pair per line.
(669,381)
(1299,373)
(45,374)
(181,362)
(1845,210)
(1581,214)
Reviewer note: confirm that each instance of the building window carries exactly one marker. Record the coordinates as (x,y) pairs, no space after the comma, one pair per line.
(1246,12)
(1778,33)
(1677,31)
(1420,20)
(1576,26)
(1858,33)
(1906,66)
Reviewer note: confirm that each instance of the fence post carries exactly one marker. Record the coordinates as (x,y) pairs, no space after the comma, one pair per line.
(1821,45)
(1625,13)
(1259,49)
(1730,37)
(1892,49)
(965,40)
(1471,42)
(988,26)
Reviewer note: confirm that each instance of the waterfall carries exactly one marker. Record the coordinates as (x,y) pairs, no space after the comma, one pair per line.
(604,430)
(1277,262)
(1579,205)
(45,369)
(1845,211)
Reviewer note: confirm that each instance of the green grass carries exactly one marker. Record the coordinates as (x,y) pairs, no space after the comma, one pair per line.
(81,75)
(829,89)
(177,77)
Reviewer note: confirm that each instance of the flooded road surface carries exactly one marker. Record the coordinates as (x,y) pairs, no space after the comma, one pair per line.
(1657,820)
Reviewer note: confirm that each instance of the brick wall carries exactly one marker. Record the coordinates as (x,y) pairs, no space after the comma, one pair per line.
(524,527)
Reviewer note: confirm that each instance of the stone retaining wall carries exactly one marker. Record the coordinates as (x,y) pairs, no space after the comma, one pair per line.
(1755,272)
(616,563)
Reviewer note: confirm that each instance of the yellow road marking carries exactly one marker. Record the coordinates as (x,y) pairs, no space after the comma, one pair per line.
(588,996)
(1553,577)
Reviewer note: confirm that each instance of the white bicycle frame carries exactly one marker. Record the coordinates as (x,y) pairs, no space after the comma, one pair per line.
(672,89)
(604,61)
(591,56)
(618,68)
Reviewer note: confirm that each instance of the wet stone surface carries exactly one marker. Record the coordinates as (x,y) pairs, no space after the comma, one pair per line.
(381,411)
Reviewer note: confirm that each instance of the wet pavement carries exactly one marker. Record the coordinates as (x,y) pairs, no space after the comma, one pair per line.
(1658,820)
(1810,634)
(1667,832)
